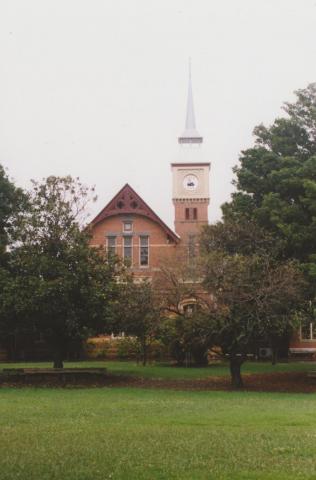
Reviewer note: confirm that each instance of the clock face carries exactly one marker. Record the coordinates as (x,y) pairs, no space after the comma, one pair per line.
(190,182)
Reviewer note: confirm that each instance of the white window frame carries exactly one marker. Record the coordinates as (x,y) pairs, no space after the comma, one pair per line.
(131,247)
(140,248)
(108,246)
(129,222)
(312,335)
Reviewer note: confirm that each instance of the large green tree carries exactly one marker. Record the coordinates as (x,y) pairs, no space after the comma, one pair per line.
(136,313)
(255,299)
(182,299)
(276,180)
(12,201)
(61,287)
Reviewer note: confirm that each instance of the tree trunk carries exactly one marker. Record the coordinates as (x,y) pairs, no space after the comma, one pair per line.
(235,365)
(58,358)
(144,348)
(58,344)
(274,356)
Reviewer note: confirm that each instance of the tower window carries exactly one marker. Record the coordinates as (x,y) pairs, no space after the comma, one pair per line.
(111,246)
(191,214)
(144,251)
(128,245)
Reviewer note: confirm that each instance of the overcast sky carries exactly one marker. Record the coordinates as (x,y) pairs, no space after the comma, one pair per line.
(97,88)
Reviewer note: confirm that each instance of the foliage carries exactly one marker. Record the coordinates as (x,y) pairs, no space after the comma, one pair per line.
(127,348)
(130,348)
(97,347)
(182,299)
(177,281)
(276,192)
(185,336)
(12,202)
(136,314)
(256,298)
(243,236)
(122,348)
(61,286)
(276,180)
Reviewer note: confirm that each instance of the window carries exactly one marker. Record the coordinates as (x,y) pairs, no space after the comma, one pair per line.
(111,245)
(191,213)
(128,245)
(127,227)
(144,251)
(189,309)
(308,331)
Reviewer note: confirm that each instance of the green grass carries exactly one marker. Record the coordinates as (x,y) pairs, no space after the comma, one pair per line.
(169,372)
(135,434)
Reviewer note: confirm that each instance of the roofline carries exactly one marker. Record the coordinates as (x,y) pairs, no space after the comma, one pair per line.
(98,218)
(95,219)
(183,164)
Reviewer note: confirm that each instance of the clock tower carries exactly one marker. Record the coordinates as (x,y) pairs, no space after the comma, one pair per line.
(190,179)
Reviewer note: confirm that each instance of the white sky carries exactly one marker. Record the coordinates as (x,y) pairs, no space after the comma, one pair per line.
(97,88)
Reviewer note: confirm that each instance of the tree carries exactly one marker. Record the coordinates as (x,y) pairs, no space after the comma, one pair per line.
(276,186)
(62,287)
(256,296)
(185,333)
(136,313)
(239,236)
(12,201)
(182,301)
(276,181)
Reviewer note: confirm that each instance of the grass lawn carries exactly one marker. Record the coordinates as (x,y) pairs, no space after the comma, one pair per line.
(166,371)
(98,434)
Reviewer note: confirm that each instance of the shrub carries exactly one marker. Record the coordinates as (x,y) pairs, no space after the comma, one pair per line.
(127,348)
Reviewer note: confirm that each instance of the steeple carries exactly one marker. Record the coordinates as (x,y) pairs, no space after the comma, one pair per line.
(190,134)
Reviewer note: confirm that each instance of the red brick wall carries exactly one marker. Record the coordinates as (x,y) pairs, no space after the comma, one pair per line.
(160,247)
(184,227)
(159,243)
(296,342)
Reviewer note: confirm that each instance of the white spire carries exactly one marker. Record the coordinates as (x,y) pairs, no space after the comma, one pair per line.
(190,134)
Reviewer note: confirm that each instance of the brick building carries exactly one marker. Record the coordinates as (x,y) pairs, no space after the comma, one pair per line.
(128,227)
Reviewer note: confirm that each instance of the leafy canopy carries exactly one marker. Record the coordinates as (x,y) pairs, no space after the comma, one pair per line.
(135,312)
(256,295)
(12,201)
(61,287)
(276,179)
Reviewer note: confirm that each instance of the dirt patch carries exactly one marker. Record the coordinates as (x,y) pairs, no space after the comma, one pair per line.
(273,382)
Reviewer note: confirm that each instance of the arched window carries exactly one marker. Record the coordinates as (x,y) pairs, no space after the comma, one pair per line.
(188,306)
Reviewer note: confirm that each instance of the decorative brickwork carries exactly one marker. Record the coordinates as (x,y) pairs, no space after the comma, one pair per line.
(128,202)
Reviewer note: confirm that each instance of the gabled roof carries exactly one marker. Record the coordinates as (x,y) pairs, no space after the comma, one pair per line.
(126,202)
